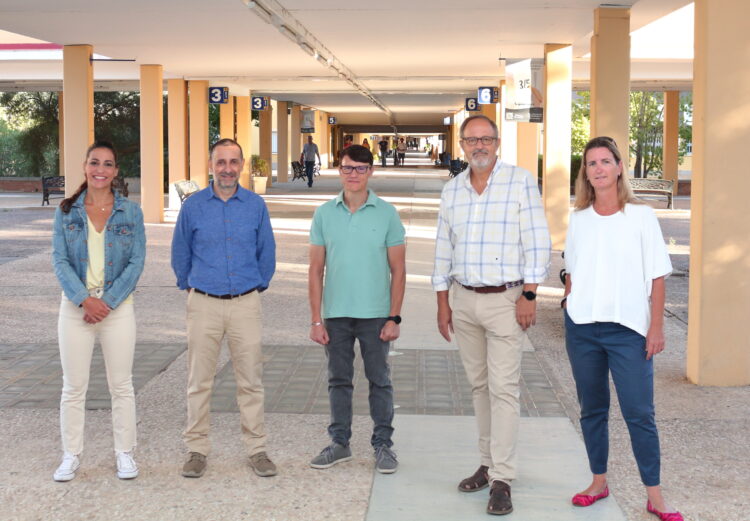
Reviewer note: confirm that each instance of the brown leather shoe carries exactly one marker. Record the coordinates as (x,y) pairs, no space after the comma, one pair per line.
(500,503)
(477,481)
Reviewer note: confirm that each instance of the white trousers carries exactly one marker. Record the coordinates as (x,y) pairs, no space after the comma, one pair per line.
(117,338)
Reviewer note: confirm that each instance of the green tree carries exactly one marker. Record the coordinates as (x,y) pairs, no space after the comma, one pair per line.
(646,131)
(580,128)
(32,119)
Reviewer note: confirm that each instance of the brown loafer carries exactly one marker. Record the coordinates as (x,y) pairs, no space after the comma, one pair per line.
(477,481)
(499,503)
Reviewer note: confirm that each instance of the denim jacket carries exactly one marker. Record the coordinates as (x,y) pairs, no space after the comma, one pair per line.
(124,250)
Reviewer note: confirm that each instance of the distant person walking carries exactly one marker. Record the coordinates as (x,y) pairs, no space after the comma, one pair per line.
(98,252)
(309,153)
(616,262)
(383,146)
(401,149)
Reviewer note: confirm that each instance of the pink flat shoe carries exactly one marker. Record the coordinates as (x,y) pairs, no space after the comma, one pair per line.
(584,500)
(664,516)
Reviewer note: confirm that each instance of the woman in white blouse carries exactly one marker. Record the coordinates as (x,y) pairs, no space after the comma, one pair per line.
(616,262)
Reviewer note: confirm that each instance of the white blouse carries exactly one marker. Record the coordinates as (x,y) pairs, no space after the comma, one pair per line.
(612,261)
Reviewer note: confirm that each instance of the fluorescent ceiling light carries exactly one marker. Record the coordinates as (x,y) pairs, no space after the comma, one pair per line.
(307,48)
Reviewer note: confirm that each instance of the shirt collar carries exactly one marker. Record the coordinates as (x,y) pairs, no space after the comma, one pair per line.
(372,198)
(495,170)
(240,193)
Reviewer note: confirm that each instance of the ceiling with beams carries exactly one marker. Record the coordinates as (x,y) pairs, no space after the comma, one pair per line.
(420,59)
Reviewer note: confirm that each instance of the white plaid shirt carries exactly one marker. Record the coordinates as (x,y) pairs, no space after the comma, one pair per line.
(490,239)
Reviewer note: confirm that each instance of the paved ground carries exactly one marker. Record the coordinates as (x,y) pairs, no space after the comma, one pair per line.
(705,447)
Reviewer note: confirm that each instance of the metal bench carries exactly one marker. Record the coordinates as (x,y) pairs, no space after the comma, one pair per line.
(56,185)
(52,185)
(298,170)
(457,166)
(185,189)
(661,187)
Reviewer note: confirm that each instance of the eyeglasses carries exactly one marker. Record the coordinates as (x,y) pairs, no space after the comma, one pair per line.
(486,140)
(347,169)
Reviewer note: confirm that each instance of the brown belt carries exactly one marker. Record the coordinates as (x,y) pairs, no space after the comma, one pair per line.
(494,289)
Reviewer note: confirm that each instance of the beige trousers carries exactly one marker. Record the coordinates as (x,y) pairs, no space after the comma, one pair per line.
(117,338)
(208,321)
(490,344)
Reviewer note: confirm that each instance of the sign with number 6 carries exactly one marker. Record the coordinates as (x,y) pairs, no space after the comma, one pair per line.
(471,105)
(487,95)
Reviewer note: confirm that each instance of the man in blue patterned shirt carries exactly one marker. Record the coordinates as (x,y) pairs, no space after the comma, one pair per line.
(492,250)
(224,255)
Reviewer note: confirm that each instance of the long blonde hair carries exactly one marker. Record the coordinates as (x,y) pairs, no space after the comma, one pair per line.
(585,195)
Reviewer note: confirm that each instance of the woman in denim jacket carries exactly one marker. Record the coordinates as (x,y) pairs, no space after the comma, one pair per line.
(99,247)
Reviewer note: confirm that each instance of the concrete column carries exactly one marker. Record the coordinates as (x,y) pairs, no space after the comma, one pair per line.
(266,130)
(509,132)
(718,347)
(152,143)
(490,111)
(226,119)
(558,88)
(177,136)
(295,136)
(527,154)
(670,139)
(610,76)
(282,142)
(243,136)
(78,108)
(60,134)
(198,114)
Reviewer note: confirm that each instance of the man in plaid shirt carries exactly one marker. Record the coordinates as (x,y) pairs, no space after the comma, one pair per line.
(492,249)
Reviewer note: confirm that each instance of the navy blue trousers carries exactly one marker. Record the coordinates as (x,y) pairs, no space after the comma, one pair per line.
(594,351)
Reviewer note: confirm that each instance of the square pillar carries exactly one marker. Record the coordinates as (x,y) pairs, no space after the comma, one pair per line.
(265,131)
(60,134)
(242,107)
(610,77)
(670,138)
(282,141)
(177,136)
(78,109)
(718,346)
(527,153)
(295,136)
(558,87)
(226,119)
(198,115)
(152,143)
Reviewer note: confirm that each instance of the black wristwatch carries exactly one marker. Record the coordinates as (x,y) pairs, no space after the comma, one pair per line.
(395,318)
(529,295)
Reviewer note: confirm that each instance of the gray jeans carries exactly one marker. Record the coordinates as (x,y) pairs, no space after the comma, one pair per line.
(340,352)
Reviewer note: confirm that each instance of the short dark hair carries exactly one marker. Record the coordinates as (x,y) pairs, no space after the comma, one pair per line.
(474,118)
(225,142)
(357,153)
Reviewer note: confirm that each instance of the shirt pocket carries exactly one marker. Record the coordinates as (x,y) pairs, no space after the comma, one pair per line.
(74,232)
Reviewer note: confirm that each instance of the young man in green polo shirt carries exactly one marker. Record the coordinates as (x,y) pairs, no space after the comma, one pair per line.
(357,241)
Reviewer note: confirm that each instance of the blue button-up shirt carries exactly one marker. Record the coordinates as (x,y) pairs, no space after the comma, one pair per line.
(223,247)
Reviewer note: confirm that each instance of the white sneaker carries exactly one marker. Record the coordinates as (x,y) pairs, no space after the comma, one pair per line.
(67,469)
(126,467)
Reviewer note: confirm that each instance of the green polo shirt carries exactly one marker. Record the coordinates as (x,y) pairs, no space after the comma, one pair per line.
(357,275)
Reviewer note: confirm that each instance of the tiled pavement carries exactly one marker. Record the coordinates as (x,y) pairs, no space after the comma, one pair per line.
(31,376)
(425,381)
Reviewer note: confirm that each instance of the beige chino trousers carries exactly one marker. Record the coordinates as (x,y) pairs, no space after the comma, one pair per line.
(208,321)
(490,343)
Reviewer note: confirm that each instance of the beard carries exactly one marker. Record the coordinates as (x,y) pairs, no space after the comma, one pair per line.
(226,184)
(480,159)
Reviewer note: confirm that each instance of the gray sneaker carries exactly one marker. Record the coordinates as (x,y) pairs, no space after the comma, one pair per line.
(331,455)
(385,460)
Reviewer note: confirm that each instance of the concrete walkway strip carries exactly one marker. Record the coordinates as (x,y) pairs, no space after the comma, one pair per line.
(436,452)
